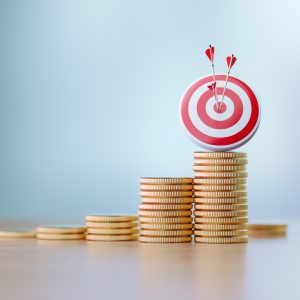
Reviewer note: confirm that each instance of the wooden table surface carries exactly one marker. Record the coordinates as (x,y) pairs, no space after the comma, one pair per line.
(265,268)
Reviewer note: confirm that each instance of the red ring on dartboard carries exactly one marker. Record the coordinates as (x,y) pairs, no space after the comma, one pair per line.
(231,121)
(227,142)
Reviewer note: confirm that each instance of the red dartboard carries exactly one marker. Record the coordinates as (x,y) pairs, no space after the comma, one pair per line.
(218,130)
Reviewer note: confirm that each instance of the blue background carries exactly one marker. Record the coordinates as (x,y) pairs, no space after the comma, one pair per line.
(89,95)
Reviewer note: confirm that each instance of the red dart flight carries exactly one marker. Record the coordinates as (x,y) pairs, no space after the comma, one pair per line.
(210,52)
(230,61)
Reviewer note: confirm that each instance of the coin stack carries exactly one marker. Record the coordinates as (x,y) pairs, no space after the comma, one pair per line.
(111,228)
(221,205)
(60,232)
(165,212)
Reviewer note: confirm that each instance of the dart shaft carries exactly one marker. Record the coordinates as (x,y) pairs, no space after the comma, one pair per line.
(224,90)
(214,77)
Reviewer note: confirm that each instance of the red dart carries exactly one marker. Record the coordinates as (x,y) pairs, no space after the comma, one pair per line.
(230,61)
(212,86)
(210,52)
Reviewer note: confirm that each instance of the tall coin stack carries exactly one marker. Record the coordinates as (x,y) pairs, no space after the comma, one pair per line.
(221,205)
(165,212)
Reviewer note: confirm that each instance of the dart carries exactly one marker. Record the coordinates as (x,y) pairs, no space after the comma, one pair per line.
(212,87)
(210,53)
(230,62)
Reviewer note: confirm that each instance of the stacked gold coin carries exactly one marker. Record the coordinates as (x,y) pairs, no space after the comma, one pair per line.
(60,232)
(221,205)
(104,228)
(165,211)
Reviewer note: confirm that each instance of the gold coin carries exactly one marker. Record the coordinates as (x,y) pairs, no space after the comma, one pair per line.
(52,236)
(111,225)
(60,229)
(218,233)
(223,162)
(214,168)
(221,206)
(221,240)
(111,238)
(221,227)
(220,175)
(160,220)
(166,194)
(165,187)
(162,226)
(228,187)
(233,220)
(219,181)
(165,239)
(221,194)
(166,180)
(215,201)
(166,206)
(105,218)
(187,200)
(17,233)
(220,155)
(268,228)
(221,214)
(112,231)
(165,213)
(169,233)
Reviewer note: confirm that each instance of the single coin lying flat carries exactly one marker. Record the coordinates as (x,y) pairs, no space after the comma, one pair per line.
(221,227)
(111,225)
(221,155)
(219,181)
(221,240)
(174,200)
(161,220)
(165,187)
(167,233)
(152,239)
(165,206)
(111,238)
(60,229)
(217,201)
(218,207)
(17,233)
(166,180)
(69,236)
(163,226)
(267,228)
(110,231)
(106,218)
(219,233)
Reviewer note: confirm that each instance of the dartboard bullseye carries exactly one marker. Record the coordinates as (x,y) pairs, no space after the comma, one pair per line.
(215,127)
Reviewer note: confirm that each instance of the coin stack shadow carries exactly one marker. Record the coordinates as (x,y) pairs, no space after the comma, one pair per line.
(103,228)
(166,209)
(221,205)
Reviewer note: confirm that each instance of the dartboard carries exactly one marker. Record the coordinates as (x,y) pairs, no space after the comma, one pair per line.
(215,129)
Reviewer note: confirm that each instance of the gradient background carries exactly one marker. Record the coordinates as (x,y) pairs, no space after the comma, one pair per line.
(89,96)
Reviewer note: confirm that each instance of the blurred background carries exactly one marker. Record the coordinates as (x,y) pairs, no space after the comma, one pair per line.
(89,96)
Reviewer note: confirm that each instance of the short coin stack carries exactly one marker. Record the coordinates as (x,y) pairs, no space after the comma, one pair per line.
(165,212)
(221,205)
(60,232)
(103,228)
